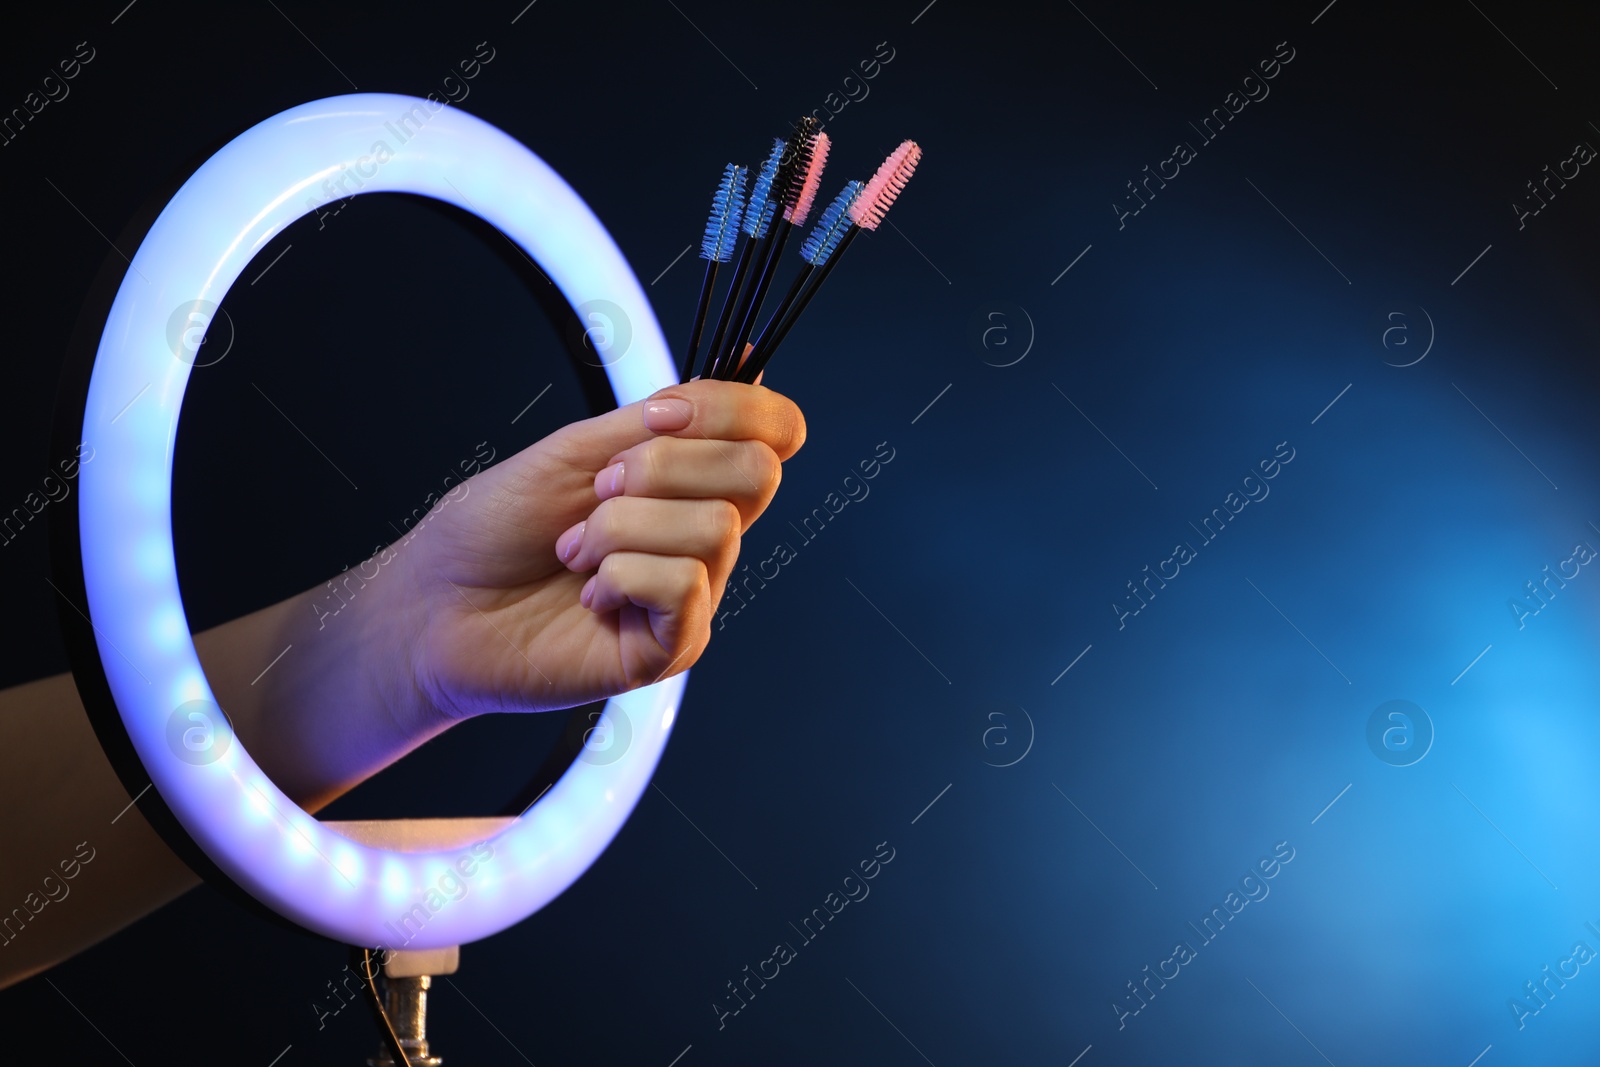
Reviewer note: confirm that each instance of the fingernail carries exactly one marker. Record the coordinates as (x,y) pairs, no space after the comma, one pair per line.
(587,596)
(668,414)
(608,483)
(573,538)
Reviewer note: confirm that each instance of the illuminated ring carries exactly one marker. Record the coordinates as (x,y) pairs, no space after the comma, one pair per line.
(241,197)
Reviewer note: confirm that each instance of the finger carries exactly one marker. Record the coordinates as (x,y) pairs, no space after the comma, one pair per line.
(705,529)
(674,590)
(589,443)
(745,472)
(727,411)
(697,409)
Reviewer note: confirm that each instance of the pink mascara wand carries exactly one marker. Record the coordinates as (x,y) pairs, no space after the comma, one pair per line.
(798,181)
(864,211)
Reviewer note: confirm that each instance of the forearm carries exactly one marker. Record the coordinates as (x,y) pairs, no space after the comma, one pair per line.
(328,714)
(59,791)
(318,687)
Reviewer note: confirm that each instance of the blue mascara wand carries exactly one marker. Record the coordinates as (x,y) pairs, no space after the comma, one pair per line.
(831,227)
(831,233)
(758,214)
(722,232)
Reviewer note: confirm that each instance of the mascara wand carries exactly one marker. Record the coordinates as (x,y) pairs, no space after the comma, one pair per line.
(722,231)
(865,212)
(797,182)
(817,249)
(758,214)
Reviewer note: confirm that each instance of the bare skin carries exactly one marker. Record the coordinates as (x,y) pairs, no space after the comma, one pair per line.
(589,564)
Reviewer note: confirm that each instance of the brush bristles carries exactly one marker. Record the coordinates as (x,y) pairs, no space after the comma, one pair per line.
(727,211)
(880,193)
(796,164)
(758,211)
(812,180)
(831,227)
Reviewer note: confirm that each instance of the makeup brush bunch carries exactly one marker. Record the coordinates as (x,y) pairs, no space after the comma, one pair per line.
(781,199)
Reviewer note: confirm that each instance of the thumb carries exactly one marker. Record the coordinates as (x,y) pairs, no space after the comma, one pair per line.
(593,443)
(549,485)
(589,444)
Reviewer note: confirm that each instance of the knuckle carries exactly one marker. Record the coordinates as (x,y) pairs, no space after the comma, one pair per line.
(767,469)
(727,524)
(603,524)
(692,580)
(718,518)
(653,465)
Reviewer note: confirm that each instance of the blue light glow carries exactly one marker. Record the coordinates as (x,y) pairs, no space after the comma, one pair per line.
(233,205)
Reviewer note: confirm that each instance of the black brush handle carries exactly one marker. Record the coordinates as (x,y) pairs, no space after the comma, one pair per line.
(758,360)
(771,328)
(699,321)
(769,270)
(727,354)
(728,303)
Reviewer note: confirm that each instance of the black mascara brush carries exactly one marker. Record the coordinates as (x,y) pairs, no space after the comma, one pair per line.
(722,231)
(796,189)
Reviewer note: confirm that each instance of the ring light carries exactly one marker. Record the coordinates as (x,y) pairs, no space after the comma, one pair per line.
(228,210)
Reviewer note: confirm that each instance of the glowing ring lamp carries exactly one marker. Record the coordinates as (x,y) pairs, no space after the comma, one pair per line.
(241,197)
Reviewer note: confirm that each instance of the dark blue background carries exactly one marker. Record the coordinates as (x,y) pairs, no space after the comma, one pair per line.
(922,637)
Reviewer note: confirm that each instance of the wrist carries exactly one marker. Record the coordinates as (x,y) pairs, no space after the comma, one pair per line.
(319,687)
(395,643)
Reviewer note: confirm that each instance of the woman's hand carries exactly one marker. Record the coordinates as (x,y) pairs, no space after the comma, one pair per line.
(592,562)
(485,605)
